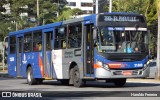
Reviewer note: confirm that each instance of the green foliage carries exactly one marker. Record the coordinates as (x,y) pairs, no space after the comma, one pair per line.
(5,27)
(48,10)
(158,4)
(3,20)
(76,11)
(136,6)
(68,13)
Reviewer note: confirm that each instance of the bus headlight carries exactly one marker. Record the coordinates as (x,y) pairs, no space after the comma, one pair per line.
(105,66)
(145,66)
(99,63)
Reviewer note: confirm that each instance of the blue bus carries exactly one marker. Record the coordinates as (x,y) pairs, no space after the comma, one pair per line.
(106,46)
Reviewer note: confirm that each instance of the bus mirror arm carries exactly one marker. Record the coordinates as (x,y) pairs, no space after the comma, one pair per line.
(94,34)
(95,43)
(150,57)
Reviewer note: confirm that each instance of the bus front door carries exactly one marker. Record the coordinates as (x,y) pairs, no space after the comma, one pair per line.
(47,52)
(19,56)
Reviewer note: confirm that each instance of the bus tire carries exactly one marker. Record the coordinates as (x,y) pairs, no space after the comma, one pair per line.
(75,75)
(30,79)
(119,82)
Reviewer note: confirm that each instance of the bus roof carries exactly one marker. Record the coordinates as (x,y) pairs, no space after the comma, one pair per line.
(36,28)
(121,13)
(47,26)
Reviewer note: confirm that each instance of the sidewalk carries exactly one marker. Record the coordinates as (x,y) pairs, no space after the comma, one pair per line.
(147,80)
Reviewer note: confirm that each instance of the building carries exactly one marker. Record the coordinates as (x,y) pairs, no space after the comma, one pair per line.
(85,5)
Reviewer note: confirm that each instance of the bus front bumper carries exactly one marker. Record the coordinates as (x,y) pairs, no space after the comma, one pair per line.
(101,73)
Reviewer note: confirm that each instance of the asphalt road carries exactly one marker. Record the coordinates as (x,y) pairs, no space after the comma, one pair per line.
(91,90)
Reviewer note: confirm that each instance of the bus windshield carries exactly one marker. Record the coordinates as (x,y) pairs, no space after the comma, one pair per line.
(122,41)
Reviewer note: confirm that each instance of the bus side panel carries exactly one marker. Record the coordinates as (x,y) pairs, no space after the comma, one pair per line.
(38,66)
(70,56)
(48,67)
(33,60)
(57,63)
(12,65)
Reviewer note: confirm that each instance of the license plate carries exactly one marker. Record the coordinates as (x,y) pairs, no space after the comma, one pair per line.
(127,73)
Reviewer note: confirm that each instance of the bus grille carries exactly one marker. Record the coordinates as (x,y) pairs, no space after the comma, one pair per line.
(135,72)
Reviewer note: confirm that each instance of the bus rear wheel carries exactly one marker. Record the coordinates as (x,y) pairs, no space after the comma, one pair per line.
(30,79)
(119,82)
(75,75)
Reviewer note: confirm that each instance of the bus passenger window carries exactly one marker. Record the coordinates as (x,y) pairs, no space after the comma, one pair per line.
(49,40)
(37,41)
(39,46)
(74,36)
(60,38)
(28,42)
(35,47)
(12,44)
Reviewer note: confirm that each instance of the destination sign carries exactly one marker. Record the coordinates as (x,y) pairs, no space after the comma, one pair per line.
(121,18)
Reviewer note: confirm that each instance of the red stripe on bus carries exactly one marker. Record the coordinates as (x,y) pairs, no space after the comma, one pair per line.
(115,65)
(40,65)
(97,66)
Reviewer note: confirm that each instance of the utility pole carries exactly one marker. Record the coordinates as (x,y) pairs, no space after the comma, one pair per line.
(94,6)
(38,12)
(110,5)
(97,6)
(158,47)
(58,3)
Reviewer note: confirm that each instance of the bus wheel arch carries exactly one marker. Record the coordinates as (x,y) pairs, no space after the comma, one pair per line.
(29,72)
(72,65)
(77,81)
(74,74)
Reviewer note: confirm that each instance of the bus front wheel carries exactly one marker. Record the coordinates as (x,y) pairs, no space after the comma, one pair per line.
(75,75)
(119,82)
(30,79)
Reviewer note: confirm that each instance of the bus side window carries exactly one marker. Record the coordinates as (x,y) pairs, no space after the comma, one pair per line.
(74,36)
(27,42)
(12,44)
(60,38)
(37,41)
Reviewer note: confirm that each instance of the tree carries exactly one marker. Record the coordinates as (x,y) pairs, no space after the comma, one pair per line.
(158,47)
(68,13)
(76,11)
(151,16)
(4,21)
(23,14)
(48,10)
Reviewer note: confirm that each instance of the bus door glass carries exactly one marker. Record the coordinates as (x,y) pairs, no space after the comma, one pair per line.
(88,49)
(47,50)
(19,55)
